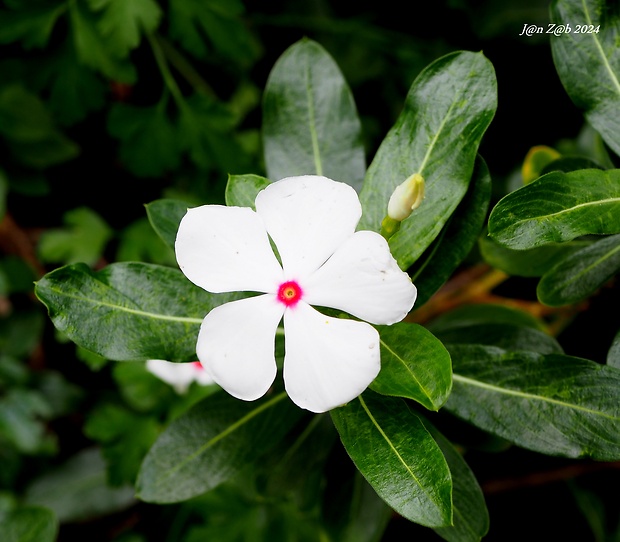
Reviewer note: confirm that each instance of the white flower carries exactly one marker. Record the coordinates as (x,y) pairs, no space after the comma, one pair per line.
(311,220)
(179,375)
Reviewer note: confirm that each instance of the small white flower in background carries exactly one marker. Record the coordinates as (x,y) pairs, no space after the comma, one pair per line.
(179,375)
(311,220)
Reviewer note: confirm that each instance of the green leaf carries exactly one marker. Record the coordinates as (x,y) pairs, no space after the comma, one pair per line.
(211,443)
(149,140)
(93,49)
(446,113)
(613,356)
(31,25)
(4,188)
(77,490)
(165,216)
(588,62)
(218,20)
(580,274)
(456,239)
(29,524)
(533,262)
(414,364)
(558,207)
(82,240)
(124,20)
(310,123)
(398,457)
(241,190)
(470,515)
(552,404)
(128,311)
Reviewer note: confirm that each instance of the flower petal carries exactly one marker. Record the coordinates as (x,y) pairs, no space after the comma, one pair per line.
(308,217)
(226,249)
(328,361)
(236,345)
(178,375)
(363,279)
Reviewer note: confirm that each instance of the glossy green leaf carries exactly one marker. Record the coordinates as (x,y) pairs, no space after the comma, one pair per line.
(212,443)
(533,262)
(613,356)
(77,490)
(29,524)
(588,62)
(165,216)
(398,457)
(456,239)
(552,404)
(471,518)
(414,364)
(149,140)
(446,113)
(558,207)
(310,123)
(241,190)
(581,274)
(128,311)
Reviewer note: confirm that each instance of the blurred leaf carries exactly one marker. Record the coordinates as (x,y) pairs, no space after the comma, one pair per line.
(594,53)
(536,159)
(125,438)
(95,50)
(77,490)
(552,404)
(30,25)
(128,311)
(212,443)
(18,274)
(20,333)
(446,113)
(138,242)
(124,20)
(29,524)
(571,163)
(533,262)
(471,518)
(558,207)
(581,273)
(613,356)
(398,457)
(83,240)
(61,396)
(414,364)
(241,190)
(165,216)
(456,239)
(149,140)
(310,123)
(218,20)
(4,188)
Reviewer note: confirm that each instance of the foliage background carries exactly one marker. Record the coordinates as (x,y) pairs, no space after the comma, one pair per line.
(93,127)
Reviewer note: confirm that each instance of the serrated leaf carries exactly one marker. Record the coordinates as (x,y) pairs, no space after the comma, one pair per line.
(149,140)
(165,216)
(581,273)
(588,62)
(414,364)
(128,311)
(558,207)
(211,443)
(533,262)
(32,26)
(242,190)
(446,113)
(124,21)
(398,457)
(29,524)
(456,239)
(82,240)
(552,404)
(310,123)
(471,518)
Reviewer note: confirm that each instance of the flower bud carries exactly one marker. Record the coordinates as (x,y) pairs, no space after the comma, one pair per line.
(406,198)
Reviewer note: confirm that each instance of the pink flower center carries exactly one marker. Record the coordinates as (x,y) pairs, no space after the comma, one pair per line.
(197,366)
(289,293)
